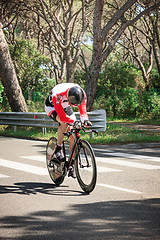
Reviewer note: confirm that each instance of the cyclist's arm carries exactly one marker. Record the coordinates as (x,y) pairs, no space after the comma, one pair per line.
(83,110)
(60,111)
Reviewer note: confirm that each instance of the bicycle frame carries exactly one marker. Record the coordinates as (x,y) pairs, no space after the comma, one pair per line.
(76,134)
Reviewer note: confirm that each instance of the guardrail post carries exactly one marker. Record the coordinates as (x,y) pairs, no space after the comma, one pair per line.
(44,131)
(92,135)
(15,128)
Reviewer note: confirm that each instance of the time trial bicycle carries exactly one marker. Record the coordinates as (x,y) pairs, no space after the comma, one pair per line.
(84,160)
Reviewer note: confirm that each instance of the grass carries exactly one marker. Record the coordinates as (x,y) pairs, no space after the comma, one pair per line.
(147,121)
(115,133)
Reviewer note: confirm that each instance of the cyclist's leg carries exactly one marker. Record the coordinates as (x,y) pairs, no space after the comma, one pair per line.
(64,128)
(72,172)
(61,129)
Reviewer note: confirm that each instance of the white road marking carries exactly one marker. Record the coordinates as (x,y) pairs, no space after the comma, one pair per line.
(119,188)
(107,160)
(134,156)
(23,167)
(35,158)
(3,176)
(42,159)
(127,163)
(103,150)
(104,169)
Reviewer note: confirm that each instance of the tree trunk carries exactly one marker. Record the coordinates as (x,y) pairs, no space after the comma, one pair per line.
(156,55)
(156,41)
(95,67)
(9,79)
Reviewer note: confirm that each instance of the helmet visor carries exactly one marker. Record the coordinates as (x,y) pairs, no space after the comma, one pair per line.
(75,96)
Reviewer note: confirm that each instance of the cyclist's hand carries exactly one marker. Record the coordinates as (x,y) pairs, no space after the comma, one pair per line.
(77,124)
(87,123)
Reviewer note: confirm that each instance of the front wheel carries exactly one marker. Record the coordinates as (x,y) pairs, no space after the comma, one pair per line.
(85,166)
(56,173)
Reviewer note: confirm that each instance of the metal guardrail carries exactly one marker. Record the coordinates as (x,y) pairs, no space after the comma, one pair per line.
(97,117)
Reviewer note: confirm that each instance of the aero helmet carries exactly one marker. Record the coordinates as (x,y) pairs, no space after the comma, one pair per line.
(75,96)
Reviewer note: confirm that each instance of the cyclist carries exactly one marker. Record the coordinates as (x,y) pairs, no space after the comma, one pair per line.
(58,106)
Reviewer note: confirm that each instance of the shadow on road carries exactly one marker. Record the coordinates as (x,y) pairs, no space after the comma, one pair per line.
(28,188)
(114,220)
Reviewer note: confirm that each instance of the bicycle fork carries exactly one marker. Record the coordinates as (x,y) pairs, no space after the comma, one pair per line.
(86,157)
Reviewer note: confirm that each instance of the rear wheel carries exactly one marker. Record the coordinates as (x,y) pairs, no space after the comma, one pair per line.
(85,166)
(55,172)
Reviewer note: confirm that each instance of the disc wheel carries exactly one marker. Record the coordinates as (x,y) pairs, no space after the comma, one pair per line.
(85,166)
(55,171)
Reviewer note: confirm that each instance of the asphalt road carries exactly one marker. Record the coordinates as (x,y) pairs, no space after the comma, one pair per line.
(124,205)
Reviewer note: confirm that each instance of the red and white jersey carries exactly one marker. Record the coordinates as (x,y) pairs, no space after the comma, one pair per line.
(60,102)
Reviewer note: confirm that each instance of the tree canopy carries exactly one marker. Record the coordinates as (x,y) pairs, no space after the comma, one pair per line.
(53,39)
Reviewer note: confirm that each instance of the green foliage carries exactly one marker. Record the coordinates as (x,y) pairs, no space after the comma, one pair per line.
(4,105)
(31,67)
(121,93)
(126,103)
(37,106)
(80,78)
(155,78)
(155,105)
(1,91)
(32,72)
(117,75)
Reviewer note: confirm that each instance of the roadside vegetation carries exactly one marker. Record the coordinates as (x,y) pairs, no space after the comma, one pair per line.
(115,133)
(117,93)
